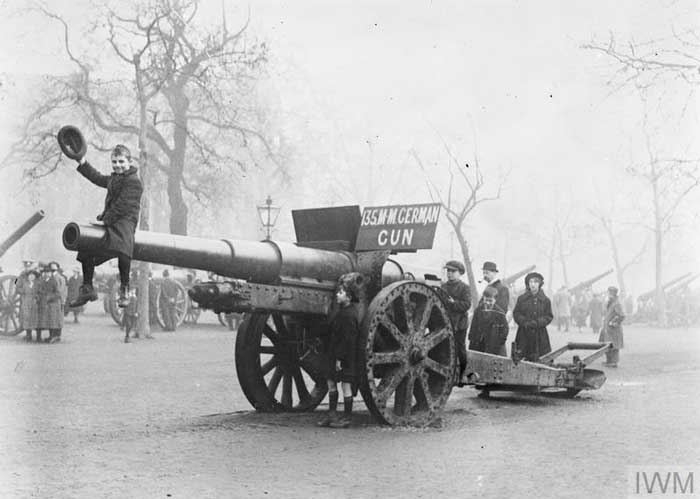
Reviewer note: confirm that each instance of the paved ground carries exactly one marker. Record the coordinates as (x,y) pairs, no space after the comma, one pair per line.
(93,417)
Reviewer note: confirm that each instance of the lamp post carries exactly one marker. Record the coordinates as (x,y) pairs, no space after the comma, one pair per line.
(268,216)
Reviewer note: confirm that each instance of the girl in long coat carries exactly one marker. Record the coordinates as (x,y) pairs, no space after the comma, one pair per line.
(532,314)
(28,289)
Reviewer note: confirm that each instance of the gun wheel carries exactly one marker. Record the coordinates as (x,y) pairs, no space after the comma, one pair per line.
(182,302)
(279,362)
(9,306)
(409,355)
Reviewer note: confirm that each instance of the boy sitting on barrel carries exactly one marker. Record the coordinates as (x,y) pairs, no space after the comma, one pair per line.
(342,351)
(120,215)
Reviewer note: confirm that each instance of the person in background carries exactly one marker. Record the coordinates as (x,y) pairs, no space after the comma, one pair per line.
(54,310)
(595,312)
(612,328)
(562,308)
(169,291)
(73,288)
(27,285)
(458,302)
(131,313)
(490,272)
(532,314)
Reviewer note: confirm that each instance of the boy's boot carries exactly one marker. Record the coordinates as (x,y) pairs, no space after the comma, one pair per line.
(87,293)
(345,420)
(123,300)
(331,415)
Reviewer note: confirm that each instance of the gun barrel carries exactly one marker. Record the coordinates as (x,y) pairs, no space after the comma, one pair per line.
(652,292)
(260,262)
(21,231)
(507,281)
(589,282)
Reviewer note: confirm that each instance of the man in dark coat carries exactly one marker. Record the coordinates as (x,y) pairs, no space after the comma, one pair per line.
(458,302)
(612,327)
(169,291)
(490,271)
(120,217)
(532,314)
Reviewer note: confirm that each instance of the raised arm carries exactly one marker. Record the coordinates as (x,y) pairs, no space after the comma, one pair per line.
(87,171)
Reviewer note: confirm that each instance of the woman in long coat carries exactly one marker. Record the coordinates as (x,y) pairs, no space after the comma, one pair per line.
(532,314)
(28,289)
(50,306)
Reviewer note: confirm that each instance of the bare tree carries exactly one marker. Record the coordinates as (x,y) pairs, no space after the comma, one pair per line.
(201,84)
(657,65)
(465,191)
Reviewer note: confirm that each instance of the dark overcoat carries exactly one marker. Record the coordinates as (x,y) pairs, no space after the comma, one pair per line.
(343,345)
(50,304)
(121,212)
(612,324)
(488,331)
(28,302)
(457,310)
(595,310)
(532,314)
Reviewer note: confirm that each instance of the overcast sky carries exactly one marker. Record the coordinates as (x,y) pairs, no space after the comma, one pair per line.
(505,77)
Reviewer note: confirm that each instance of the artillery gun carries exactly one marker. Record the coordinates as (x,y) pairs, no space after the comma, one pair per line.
(651,294)
(9,297)
(407,350)
(584,285)
(513,278)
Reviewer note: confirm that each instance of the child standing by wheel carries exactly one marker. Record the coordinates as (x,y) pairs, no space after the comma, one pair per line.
(342,351)
(131,313)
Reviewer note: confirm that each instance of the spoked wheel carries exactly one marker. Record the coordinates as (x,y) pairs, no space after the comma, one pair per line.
(181,305)
(279,362)
(9,306)
(193,313)
(409,355)
(115,311)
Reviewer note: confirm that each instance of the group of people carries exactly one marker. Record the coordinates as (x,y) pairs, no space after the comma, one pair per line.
(579,308)
(45,295)
(532,314)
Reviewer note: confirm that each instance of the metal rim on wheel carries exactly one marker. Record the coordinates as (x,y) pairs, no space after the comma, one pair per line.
(181,305)
(279,362)
(409,355)
(9,306)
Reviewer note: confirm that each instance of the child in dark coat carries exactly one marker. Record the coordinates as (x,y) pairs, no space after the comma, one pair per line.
(489,328)
(342,350)
(120,217)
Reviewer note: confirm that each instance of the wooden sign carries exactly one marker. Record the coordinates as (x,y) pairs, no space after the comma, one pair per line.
(399,228)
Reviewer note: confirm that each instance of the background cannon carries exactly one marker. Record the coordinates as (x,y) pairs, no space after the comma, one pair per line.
(407,348)
(9,298)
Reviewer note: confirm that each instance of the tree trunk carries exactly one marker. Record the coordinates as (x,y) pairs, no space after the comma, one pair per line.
(658,246)
(616,257)
(143,326)
(468,266)
(178,209)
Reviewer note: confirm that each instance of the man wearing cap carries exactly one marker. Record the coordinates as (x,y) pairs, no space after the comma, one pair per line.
(458,303)
(490,271)
(169,291)
(612,327)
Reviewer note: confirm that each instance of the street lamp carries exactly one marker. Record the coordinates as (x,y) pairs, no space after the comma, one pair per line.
(268,216)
